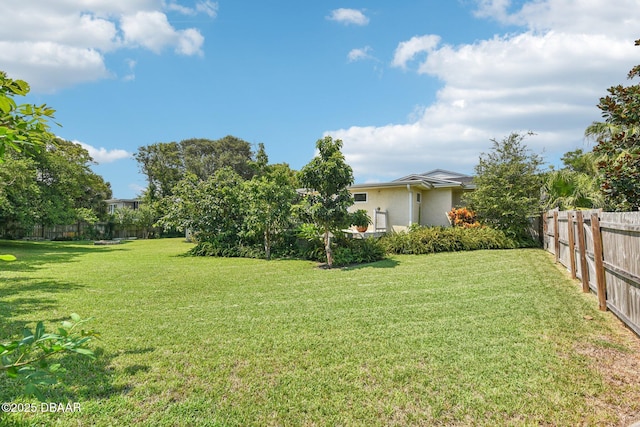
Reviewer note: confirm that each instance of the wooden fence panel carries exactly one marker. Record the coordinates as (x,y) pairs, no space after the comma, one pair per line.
(621,253)
(602,249)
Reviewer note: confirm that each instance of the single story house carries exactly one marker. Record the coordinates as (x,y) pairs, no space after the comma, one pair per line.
(422,199)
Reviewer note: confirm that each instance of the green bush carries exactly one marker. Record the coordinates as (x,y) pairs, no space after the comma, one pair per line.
(425,240)
(357,251)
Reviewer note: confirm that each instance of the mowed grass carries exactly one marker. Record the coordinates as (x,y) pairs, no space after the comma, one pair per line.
(476,338)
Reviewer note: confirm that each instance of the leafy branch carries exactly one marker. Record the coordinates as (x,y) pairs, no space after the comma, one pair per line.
(27,359)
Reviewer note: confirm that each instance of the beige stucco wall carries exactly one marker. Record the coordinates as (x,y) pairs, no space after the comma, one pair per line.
(431,210)
(393,200)
(435,205)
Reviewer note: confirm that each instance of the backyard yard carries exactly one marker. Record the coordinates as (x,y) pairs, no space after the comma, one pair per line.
(475,338)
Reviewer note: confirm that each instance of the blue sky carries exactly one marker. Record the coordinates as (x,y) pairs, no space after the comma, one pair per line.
(408,86)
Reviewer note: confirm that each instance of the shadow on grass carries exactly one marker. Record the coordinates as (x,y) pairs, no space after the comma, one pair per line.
(385,263)
(22,296)
(85,379)
(34,255)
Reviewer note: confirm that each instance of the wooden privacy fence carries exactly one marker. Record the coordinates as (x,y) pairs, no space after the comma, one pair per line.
(602,249)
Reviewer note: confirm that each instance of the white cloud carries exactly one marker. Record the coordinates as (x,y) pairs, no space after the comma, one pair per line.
(207,7)
(360,54)
(58,44)
(348,16)
(547,78)
(407,51)
(102,155)
(153,31)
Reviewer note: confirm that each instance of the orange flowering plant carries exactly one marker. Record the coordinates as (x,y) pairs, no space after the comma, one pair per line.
(463,217)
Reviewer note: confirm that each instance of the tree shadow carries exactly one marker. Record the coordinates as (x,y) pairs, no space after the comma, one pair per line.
(23,296)
(385,263)
(32,256)
(85,378)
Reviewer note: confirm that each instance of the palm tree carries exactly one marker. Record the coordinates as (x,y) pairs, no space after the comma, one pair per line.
(566,189)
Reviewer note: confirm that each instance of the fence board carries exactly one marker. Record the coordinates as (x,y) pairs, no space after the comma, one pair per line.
(606,247)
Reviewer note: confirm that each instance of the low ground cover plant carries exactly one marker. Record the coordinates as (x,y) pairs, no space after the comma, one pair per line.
(426,240)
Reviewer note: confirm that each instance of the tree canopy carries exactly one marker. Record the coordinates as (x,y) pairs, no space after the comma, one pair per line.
(166,163)
(508,185)
(618,146)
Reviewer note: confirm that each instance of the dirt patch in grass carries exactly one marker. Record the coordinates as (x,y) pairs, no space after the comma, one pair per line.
(617,360)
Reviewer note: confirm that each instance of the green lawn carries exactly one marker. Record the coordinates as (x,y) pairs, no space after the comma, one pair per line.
(477,338)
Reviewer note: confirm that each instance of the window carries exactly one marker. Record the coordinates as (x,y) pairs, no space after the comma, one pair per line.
(418,197)
(360,197)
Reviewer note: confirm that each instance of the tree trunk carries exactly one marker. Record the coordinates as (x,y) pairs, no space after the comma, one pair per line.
(267,245)
(327,248)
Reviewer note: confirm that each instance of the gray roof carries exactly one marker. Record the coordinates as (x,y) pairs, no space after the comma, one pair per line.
(437,178)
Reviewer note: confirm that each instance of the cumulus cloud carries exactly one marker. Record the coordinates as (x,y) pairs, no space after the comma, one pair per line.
(348,16)
(408,50)
(102,155)
(546,78)
(57,44)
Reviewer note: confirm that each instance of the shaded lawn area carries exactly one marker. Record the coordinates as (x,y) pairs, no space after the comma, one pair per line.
(477,338)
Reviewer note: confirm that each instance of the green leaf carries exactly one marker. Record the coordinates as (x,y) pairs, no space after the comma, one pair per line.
(84,351)
(67,325)
(39,330)
(31,390)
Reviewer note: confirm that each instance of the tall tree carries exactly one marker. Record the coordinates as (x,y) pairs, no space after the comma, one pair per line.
(618,145)
(269,201)
(508,185)
(163,165)
(327,178)
(211,209)
(49,186)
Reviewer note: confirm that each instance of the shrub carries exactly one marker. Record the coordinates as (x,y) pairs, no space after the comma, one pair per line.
(463,217)
(357,251)
(425,240)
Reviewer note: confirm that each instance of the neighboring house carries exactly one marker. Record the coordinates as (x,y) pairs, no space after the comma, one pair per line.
(113,204)
(422,199)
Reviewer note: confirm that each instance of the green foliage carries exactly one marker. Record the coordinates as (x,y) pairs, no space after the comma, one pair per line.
(568,189)
(507,187)
(350,251)
(359,218)
(211,209)
(269,200)
(426,240)
(167,163)
(49,187)
(27,359)
(22,127)
(618,145)
(309,244)
(326,178)
(163,166)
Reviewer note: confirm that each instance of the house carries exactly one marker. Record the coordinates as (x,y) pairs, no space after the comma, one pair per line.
(113,204)
(422,199)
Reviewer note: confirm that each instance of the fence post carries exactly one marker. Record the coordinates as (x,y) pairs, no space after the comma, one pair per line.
(572,244)
(582,250)
(599,261)
(545,228)
(556,235)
